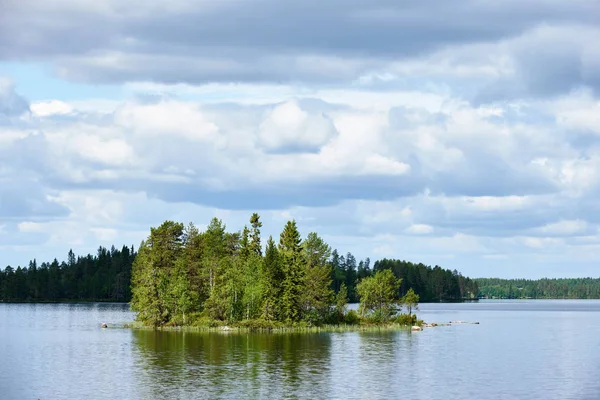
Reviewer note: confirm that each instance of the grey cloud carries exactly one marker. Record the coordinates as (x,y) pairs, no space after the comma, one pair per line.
(271,41)
(281,195)
(11,104)
(549,62)
(21,197)
(11,235)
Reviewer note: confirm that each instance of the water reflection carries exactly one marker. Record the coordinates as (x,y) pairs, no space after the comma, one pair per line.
(209,365)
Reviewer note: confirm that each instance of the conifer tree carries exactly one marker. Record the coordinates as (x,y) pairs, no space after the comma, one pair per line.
(273,279)
(255,243)
(316,295)
(153,270)
(292,261)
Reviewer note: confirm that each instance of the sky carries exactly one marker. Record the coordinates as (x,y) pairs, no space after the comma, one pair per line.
(464,134)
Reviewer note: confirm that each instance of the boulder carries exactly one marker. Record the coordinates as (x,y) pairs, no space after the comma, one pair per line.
(416,328)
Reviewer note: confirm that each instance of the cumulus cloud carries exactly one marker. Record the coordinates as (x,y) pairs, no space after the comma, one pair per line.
(287,128)
(461,133)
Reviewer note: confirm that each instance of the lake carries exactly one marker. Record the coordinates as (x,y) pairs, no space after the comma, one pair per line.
(529,349)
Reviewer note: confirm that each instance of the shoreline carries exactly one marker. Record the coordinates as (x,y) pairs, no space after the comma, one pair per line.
(227,329)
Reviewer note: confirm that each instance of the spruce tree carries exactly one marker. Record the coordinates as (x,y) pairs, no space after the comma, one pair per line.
(292,261)
(316,296)
(272,282)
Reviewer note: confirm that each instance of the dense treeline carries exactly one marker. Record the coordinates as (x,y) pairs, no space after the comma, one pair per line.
(431,284)
(576,288)
(226,275)
(182,276)
(103,277)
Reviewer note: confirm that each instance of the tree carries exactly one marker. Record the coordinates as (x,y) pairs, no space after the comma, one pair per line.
(272,278)
(411,300)
(255,244)
(351,276)
(341,300)
(291,257)
(152,293)
(379,295)
(316,296)
(338,275)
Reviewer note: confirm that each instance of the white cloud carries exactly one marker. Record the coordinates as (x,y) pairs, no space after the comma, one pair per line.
(419,229)
(28,226)
(116,152)
(565,227)
(167,118)
(288,126)
(52,107)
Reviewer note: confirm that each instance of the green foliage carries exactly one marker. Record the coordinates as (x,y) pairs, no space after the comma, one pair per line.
(101,277)
(344,271)
(351,318)
(292,261)
(411,301)
(379,296)
(255,246)
(431,284)
(341,301)
(156,291)
(571,288)
(272,278)
(185,277)
(406,319)
(316,296)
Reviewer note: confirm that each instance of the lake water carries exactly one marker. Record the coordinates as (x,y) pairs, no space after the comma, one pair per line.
(544,349)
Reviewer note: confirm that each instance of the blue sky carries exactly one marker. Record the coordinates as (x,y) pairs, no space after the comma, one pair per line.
(464,134)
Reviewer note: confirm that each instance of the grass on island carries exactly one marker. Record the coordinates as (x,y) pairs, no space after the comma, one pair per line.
(352,323)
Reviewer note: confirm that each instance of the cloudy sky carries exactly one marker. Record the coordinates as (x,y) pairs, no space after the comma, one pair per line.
(464,134)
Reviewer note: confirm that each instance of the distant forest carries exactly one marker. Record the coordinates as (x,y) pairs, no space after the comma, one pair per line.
(431,284)
(106,276)
(575,288)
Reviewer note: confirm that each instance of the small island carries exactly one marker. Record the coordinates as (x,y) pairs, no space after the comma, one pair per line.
(214,280)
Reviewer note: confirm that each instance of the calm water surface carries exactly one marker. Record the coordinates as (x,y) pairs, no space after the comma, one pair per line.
(543,349)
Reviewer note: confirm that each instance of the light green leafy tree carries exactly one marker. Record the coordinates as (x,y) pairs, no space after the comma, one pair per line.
(379,295)
(411,301)
(341,301)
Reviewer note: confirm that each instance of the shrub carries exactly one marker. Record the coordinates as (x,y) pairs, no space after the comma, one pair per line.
(351,318)
(406,319)
(207,322)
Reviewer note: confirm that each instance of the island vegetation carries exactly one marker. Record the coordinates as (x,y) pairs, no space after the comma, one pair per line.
(184,277)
